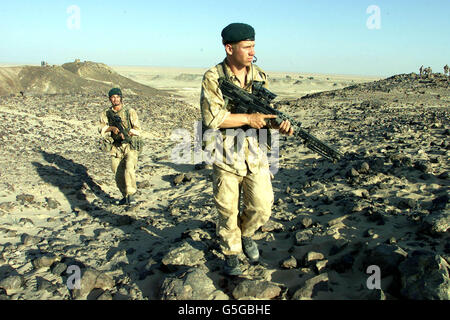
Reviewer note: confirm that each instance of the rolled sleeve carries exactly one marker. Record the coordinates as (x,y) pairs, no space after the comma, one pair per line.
(135,124)
(103,126)
(212,103)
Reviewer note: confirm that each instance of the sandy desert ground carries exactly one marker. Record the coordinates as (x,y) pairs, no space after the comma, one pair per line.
(384,204)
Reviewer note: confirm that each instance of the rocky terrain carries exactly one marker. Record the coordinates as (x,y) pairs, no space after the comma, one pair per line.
(385,204)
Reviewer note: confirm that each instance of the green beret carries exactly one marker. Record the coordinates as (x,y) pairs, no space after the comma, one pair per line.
(114,91)
(236,32)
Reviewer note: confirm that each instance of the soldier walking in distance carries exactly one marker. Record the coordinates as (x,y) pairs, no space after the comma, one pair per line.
(429,72)
(421,71)
(124,154)
(239,176)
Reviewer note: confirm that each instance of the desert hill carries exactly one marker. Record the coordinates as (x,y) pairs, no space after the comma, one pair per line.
(70,78)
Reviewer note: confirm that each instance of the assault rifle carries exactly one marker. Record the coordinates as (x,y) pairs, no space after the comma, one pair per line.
(116,121)
(259,101)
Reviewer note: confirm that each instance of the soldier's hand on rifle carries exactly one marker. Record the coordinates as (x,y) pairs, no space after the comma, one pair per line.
(116,130)
(258,120)
(285,128)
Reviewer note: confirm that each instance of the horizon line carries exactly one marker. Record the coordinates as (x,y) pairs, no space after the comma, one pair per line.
(268,70)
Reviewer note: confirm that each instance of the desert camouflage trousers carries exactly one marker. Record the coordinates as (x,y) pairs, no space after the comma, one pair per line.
(257,199)
(123,164)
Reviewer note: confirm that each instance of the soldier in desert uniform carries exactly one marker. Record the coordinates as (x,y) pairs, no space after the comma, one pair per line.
(124,155)
(421,71)
(429,73)
(247,178)
(446,70)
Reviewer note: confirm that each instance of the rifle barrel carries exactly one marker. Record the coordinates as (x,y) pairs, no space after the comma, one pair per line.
(246,102)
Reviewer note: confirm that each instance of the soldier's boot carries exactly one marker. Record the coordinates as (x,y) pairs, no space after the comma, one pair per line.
(231,266)
(250,249)
(122,202)
(131,199)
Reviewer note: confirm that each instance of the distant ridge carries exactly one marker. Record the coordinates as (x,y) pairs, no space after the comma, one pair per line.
(407,81)
(75,77)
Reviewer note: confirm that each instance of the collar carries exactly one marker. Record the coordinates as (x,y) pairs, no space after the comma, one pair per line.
(121,109)
(230,74)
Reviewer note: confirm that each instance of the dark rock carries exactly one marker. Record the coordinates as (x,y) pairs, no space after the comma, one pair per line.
(289,263)
(437,223)
(304,236)
(311,257)
(387,257)
(105,295)
(7,206)
(422,166)
(188,177)
(364,168)
(30,240)
(425,276)
(306,222)
(392,240)
(22,198)
(185,255)
(90,280)
(3,295)
(440,203)
(256,289)
(406,161)
(407,204)
(358,205)
(272,226)
(25,221)
(352,173)
(12,283)
(444,175)
(193,284)
(59,268)
(45,261)
(369,233)
(44,284)
(52,203)
(312,287)
(178,179)
(143,184)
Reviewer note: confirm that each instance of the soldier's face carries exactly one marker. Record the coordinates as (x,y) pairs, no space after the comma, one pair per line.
(115,100)
(242,53)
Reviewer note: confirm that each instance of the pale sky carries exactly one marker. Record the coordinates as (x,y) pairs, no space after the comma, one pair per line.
(377,37)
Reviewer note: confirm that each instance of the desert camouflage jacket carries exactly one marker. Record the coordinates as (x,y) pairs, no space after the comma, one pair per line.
(214,110)
(104,123)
